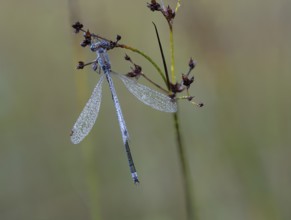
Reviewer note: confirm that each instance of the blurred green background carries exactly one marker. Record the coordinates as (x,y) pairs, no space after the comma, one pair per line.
(238,145)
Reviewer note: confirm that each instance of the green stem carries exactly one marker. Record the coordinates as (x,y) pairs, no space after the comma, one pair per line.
(185,171)
(172,54)
(181,150)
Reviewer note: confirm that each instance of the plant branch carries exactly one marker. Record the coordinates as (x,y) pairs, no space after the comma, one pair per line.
(163,56)
(185,171)
(146,57)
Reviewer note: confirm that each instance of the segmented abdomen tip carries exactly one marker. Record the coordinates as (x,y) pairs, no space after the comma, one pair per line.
(135,178)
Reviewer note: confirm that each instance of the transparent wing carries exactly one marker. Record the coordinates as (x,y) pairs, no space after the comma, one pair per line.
(148,96)
(88,116)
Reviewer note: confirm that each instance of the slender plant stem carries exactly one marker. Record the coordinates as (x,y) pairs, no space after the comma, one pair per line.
(146,57)
(172,55)
(178,5)
(163,57)
(185,171)
(155,84)
(180,147)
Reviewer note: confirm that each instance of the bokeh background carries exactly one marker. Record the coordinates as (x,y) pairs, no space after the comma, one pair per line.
(238,145)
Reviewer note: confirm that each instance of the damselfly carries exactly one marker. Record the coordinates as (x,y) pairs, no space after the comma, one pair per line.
(145,94)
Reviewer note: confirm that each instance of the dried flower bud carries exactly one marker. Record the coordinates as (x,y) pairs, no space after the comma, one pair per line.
(111,45)
(126,57)
(131,74)
(187,81)
(170,13)
(80,65)
(137,69)
(192,64)
(118,38)
(201,104)
(176,88)
(77,26)
(154,6)
(190,98)
(85,42)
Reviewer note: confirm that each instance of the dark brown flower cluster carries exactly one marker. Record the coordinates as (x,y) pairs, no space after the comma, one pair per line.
(86,34)
(136,70)
(186,79)
(87,39)
(168,12)
(77,26)
(80,65)
(185,83)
